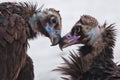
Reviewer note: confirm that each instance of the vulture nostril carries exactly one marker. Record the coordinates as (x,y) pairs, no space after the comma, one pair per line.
(56,32)
(68,36)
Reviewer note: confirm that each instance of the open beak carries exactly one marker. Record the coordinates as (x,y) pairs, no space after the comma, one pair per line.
(54,35)
(68,40)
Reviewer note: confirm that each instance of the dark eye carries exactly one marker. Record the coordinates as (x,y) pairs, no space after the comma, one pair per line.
(77,29)
(53,20)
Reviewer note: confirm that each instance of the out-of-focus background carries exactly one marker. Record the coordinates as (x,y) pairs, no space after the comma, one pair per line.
(47,58)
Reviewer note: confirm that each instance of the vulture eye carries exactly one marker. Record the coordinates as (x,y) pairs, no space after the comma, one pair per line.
(77,30)
(53,20)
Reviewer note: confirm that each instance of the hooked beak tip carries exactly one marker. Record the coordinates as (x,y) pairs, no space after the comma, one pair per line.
(62,45)
(61,48)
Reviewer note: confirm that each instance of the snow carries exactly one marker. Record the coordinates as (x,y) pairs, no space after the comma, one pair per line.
(47,58)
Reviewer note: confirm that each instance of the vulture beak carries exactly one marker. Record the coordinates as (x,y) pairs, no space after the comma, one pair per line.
(68,40)
(54,35)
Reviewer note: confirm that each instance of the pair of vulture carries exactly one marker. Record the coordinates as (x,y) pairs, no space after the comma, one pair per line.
(20,22)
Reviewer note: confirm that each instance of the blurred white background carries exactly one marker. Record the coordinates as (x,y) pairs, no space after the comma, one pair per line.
(47,58)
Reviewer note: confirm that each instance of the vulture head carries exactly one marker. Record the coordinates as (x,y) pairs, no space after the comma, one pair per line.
(87,31)
(48,22)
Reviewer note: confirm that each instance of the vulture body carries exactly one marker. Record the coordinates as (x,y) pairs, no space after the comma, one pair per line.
(18,23)
(94,60)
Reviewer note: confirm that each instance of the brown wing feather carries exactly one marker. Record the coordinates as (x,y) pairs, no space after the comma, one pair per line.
(13,46)
(26,73)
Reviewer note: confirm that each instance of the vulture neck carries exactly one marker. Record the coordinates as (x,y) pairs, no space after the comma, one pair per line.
(33,21)
(96,54)
(31,14)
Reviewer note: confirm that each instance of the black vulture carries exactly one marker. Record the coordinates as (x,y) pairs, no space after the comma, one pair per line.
(94,60)
(20,22)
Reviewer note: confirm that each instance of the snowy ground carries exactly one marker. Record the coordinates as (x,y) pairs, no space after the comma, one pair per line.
(47,58)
